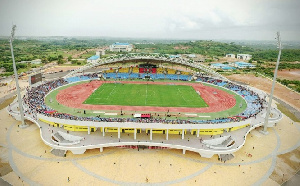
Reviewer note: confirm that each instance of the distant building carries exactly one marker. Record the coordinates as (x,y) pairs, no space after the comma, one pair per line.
(200,60)
(244,56)
(221,66)
(230,55)
(93,59)
(100,53)
(175,56)
(191,55)
(121,47)
(241,64)
(36,61)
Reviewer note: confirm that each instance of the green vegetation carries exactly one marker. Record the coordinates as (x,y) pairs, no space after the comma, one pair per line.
(271,55)
(62,50)
(206,48)
(146,95)
(293,84)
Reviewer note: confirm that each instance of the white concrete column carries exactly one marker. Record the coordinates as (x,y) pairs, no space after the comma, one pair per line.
(167,135)
(101,149)
(119,134)
(134,134)
(183,151)
(103,132)
(151,134)
(198,131)
(182,135)
(89,130)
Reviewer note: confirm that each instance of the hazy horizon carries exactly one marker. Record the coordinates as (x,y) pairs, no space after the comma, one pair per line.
(250,20)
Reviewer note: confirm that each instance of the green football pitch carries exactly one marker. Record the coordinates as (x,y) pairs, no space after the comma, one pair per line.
(146,95)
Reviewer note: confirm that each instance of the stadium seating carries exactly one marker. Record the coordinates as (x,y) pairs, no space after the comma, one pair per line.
(160,70)
(135,70)
(171,71)
(123,70)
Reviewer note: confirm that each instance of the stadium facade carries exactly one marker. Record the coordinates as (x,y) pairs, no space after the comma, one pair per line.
(222,136)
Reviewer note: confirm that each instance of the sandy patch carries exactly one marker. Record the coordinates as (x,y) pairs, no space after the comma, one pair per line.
(293,74)
(264,84)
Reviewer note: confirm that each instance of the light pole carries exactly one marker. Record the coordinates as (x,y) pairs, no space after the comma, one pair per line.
(273,85)
(23,125)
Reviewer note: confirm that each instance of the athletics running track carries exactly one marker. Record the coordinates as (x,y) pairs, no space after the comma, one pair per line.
(218,100)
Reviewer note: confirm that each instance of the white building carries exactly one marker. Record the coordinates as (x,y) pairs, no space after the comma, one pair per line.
(191,55)
(121,47)
(241,64)
(244,56)
(36,61)
(230,55)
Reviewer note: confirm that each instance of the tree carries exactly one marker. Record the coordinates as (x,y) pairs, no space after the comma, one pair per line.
(69,58)
(60,57)
(60,61)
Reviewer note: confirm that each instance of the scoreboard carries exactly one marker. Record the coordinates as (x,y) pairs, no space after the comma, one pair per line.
(35,78)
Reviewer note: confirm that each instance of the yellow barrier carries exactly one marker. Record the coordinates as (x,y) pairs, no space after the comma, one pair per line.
(156,131)
(176,131)
(78,128)
(207,131)
(239,127)
(70,127)
(130,130)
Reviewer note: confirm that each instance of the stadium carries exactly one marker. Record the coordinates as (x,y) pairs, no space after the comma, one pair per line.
(145,101)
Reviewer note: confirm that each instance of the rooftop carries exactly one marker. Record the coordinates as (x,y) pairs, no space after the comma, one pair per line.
(117,43)
(242,63)
(94,57)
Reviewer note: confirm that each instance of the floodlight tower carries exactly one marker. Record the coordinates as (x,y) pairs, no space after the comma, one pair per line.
(273,84)
(23,125)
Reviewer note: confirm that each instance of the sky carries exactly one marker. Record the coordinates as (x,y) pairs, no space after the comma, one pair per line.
(160,19)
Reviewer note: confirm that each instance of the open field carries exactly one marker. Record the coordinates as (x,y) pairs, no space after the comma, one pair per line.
(292,74)
(146,95)
(281,92)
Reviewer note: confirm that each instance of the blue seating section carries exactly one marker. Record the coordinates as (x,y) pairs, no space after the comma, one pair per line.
(77,78)
(142,76)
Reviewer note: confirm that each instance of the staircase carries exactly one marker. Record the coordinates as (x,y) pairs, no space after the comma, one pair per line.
(58,152)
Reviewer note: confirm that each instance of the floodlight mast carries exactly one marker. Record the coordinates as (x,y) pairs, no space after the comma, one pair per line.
(23,125)
(273,84)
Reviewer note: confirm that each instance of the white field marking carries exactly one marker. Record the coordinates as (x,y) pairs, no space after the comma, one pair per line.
(111,114)
(108,96)
(204,116)
(191,114)
(100,112)
(181,95)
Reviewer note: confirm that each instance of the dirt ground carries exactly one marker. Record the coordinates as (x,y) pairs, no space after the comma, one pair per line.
(293,74)
(291,97)
(286,165)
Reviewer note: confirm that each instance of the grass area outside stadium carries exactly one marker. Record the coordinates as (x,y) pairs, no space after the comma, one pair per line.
(79,112)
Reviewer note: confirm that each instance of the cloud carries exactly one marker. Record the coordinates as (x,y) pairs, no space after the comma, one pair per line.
(192,19)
